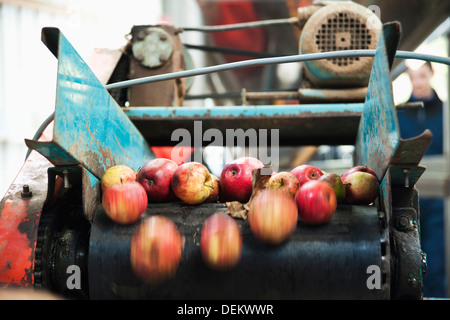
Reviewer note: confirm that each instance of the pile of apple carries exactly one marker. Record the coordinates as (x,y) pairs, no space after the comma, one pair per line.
(306,193)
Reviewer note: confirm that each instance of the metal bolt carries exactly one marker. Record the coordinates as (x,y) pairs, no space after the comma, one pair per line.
(162,37)
(244,96)
(140,35)
(66,178)
(403,223)
(26,193)
(424,263)
(406,174)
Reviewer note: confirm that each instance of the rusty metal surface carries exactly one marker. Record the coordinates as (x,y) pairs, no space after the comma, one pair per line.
(378,134)
(63,234)
(19,219)
(409,261)
(401,218)
(255,96)
(411,151)
(379,144)
(164,93)
(345,95)
(396,162)
(309,95)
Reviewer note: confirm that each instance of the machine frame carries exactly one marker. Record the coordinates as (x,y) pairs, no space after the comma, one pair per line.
(91,133)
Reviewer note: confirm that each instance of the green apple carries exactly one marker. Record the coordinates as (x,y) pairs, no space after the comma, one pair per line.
(334,180)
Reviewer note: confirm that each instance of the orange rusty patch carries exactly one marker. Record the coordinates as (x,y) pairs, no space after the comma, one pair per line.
(16,258)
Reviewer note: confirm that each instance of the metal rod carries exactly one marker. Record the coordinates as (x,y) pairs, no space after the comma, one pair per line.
(270,95)
(406,175)
(232,51)
(269,61)
(66,178)
(244,25)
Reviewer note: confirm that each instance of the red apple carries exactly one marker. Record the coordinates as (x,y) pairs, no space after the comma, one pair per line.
(155,177)
(125,203)
(155,251)
(334,180)
(358,168)
(221,242)
(192,183)
(117,174)
(361,187)
(272,216)
(285,182)
(236,179)
(306,172)
(316,202)
(215,190)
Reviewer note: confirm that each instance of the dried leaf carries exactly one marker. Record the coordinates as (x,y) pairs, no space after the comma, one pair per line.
(236,209)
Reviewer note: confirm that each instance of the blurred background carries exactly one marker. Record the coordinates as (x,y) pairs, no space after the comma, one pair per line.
(28,68)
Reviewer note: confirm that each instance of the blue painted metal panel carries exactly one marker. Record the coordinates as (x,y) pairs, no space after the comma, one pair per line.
(295,124)
(88,124)
(53,152)
(241,111)
(378,135)
(378,142)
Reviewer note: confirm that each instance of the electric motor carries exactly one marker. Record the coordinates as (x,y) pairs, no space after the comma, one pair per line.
(339,26)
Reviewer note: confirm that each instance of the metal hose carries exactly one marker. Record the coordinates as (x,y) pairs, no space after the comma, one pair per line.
(273,60)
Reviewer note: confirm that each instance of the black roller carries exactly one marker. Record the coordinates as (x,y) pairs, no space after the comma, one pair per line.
(323,262)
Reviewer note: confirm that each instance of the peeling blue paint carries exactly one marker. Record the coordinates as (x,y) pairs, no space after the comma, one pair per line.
(378,134)
(241,111)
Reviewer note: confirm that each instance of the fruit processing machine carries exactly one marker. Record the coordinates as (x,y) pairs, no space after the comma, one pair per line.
(52,220)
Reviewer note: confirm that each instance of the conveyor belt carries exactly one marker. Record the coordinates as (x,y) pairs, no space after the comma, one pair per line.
(322,262)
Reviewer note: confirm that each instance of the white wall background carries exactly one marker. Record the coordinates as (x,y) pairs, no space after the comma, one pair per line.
(28,68)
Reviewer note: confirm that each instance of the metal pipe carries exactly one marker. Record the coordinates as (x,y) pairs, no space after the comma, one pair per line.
(244,25)
(269,61)
(308,95)
(269,95)
(232,51)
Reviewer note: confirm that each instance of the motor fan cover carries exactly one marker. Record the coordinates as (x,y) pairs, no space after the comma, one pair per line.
(340,26)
